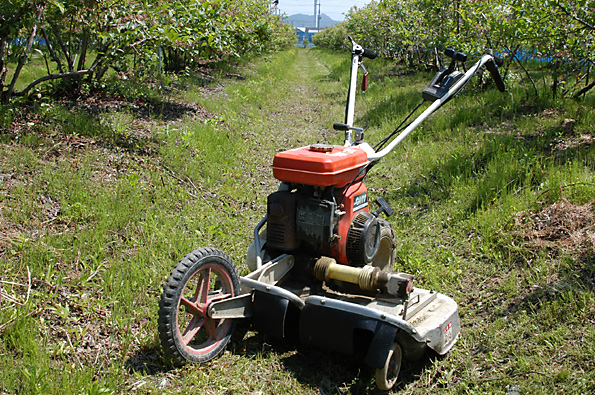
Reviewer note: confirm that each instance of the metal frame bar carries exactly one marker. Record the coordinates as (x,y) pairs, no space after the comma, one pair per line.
(428,111)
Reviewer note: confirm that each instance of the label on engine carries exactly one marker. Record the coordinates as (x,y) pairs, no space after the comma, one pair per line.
(310,218)
(360,201)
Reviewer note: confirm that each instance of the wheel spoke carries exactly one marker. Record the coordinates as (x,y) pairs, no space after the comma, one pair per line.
(202,289)
(192,308)
(192,329)
(211,328)
(215,298)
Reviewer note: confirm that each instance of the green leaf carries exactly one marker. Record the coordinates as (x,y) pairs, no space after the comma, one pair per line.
(58,4)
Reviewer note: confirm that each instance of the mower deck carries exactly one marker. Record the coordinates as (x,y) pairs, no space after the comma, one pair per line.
(426,317)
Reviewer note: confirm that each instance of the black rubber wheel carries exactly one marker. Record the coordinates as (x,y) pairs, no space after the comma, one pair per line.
(387,250)
(386,377)
(187,335)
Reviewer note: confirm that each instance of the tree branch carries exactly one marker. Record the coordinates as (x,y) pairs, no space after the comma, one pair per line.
(3,52)
(65,50)
(53,77)
(576,18)
(584,90)
(530,79)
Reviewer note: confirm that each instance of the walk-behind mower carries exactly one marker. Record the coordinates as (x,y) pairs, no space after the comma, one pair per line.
(322,262)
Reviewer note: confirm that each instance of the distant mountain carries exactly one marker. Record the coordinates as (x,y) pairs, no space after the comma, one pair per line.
(302,20)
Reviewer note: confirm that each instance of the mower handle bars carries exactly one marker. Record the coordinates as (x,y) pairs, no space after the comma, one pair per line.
(361,51)
(488,59)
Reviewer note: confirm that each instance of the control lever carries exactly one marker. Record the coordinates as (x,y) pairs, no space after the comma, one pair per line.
(455,55)
(445,78)
(343,127)
(365,77)
(359,132)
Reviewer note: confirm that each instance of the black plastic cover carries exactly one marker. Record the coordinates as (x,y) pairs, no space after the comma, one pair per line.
(269,313)
(338,331)
(492,67)
(281,227)
(440,84)
(363,239)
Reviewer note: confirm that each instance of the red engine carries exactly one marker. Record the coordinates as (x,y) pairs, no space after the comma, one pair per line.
(323,207)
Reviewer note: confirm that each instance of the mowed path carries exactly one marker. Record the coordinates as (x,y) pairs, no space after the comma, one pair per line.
(300,108)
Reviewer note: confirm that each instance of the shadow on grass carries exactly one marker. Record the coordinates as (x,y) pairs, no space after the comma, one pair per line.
(324,371)
(504,163)
(148,361)
(84,118)
(565,294)
(88,118)
(145,109)
(391,109)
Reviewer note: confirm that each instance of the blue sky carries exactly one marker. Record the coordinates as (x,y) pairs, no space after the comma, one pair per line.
(333,8)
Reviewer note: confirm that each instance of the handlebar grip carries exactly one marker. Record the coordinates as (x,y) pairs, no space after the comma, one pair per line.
(493,69)
(455,55)
(370,53)
(340,126)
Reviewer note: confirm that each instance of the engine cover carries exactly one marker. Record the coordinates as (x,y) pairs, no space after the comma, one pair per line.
(314,219)
(297,219)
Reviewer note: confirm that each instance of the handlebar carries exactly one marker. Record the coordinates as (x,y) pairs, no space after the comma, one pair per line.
(492,67)
(455,55)
(488,60)
(359,50)
(448,90)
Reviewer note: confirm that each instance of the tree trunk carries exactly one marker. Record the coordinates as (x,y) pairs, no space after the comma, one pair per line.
(55,57)
(3,52)
(22,59)
(83,53)
(82,57)
(584,90)
(67,54)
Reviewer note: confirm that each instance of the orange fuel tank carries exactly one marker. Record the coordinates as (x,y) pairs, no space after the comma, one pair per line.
(320,165)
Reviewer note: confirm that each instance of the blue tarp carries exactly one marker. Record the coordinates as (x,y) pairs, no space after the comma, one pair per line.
(301,35)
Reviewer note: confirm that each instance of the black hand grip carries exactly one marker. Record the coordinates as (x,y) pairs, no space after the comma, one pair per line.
(493,69)
(340,126)
(370,53)
(455,55)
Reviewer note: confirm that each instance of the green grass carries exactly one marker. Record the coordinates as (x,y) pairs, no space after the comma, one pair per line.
(95,210)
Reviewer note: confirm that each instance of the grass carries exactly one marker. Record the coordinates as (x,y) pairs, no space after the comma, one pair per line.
(97,207)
